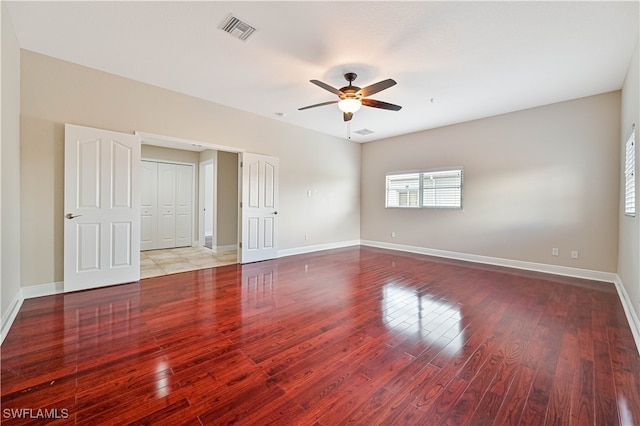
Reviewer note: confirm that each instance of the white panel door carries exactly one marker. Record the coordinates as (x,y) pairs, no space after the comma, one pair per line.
(259,226)
(148,205)
(166,205)
(184,210)
(102,208)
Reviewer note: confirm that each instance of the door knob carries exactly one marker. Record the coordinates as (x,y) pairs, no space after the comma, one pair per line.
(72,216)
(274,213)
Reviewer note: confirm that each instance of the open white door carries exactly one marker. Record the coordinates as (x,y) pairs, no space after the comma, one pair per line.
(102,208)
(259,206)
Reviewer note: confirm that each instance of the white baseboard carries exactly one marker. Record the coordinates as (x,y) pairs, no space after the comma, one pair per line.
(28,292)
(49,289)
(509,263)
(224,249)
(318,247)
(632,317)
(10,315)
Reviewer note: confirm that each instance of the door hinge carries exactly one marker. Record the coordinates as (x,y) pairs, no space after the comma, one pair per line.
(241,163)
(240,204)
(240,245)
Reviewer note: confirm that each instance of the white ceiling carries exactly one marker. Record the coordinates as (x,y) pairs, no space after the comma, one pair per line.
(453,61)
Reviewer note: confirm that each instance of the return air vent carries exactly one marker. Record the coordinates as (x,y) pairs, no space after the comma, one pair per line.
(364,132)
(237,28)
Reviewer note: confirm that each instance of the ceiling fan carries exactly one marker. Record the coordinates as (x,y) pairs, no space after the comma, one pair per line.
(352,97)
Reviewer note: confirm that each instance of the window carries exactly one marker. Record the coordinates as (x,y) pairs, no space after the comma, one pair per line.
(630,174)
(429,188)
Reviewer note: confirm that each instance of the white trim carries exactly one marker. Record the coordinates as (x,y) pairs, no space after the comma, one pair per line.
(318,247)
(632,317)
(40,290)
(224,249)
(202,186)
(156,160)
(10,315)
(150,138)
(28,292)
(509,263)
(49,289)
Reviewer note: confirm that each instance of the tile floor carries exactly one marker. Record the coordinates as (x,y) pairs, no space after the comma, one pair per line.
(154,263)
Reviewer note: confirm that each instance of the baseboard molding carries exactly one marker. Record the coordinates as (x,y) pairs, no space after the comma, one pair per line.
(49,289)
(10,315)
(509,263)
(224,249)
(318,247)
(29,292)
(632,317)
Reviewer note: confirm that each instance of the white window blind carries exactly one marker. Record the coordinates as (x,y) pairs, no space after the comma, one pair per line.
(425,189)
(629,174)
(403,190)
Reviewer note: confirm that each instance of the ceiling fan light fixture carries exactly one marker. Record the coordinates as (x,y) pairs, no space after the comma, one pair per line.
(349,105)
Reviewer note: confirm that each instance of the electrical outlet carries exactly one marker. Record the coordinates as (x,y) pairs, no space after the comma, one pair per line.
(309,193)
(306,236)
(555,252)
(393,234)
(574,254)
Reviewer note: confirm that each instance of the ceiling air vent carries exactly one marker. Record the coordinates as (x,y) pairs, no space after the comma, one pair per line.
(364,132)
(237,28)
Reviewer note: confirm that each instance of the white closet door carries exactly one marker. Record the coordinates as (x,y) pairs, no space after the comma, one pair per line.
(184,211)
(148,205)
(167,205)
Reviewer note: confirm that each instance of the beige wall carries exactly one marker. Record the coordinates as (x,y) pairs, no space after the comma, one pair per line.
(227,199)
(226,203)
(55,92)
(9,166)
(151,152)
(535,179)
(629,245)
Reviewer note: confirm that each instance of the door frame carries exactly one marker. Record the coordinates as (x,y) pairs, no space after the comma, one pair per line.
(192,145)
(201,201)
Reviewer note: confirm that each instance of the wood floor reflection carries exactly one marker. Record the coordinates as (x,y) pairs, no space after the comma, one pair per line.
(357,335)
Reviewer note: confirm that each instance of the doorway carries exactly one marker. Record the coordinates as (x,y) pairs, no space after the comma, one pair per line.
(211,171)
(107,248)
(207,195)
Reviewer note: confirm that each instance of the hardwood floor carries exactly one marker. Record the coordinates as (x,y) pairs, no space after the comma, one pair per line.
(358,335)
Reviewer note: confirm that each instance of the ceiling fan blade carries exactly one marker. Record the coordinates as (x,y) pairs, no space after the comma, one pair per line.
(377,87)
(379,104)
(347,116)
(317,105)
(325,86)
